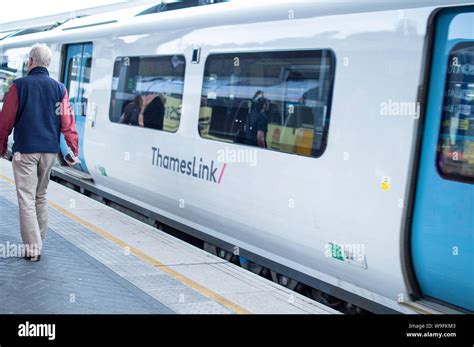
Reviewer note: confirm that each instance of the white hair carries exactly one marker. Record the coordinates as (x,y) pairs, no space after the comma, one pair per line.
(41,55)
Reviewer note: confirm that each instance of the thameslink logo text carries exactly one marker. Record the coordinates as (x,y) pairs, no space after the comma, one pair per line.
(196,167)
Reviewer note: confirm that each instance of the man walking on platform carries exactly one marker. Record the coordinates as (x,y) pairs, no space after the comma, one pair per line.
(37,106)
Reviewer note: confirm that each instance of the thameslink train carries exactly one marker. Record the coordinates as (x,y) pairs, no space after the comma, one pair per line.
(364,187)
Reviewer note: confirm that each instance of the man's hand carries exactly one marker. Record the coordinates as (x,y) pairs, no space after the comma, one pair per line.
(73,163)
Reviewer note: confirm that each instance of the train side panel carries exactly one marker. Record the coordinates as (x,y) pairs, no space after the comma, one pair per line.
(352,195)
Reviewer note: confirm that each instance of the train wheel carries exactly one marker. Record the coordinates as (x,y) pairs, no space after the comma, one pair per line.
(283,280)
(351,309)
(222,253)
(325,299)
(251,266)
(210,248)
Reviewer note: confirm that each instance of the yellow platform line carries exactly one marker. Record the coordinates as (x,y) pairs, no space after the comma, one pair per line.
(169,271)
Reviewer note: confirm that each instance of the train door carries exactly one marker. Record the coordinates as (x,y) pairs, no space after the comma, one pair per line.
(442,239)
(76,78)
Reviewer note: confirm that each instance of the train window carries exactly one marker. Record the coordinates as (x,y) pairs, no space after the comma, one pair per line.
(148,92)
(277,100)
(456,140)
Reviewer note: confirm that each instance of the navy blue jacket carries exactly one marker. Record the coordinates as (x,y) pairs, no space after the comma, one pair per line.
(38,108)
(38,124)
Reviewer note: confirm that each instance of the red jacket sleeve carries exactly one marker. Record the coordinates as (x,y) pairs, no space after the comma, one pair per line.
(68,125)
(8,117)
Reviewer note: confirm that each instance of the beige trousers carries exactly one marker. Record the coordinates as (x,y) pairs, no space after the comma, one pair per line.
(31,171)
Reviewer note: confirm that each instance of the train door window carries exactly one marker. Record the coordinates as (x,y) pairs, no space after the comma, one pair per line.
(456,141)
(277,100)
(73,84)
(76,78)
(148,92)
(85,86)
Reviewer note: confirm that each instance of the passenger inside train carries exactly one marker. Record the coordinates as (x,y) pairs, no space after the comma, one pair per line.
(132,112)
(251,120)
(154,114)
(257,123)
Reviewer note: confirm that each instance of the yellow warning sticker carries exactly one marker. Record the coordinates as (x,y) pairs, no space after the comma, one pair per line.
(386,183)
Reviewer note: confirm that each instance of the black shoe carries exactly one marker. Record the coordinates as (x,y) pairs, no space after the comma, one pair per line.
(33,259)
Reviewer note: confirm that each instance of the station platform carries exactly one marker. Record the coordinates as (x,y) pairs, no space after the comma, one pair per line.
(97,260)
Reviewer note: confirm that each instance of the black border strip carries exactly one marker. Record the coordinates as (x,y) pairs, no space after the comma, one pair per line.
(423,90)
